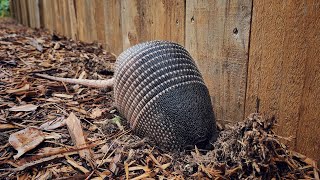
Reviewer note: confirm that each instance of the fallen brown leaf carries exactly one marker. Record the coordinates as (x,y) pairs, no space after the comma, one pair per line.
(26,140)
(76,133)
(54,124)
(26,107)
(26,87)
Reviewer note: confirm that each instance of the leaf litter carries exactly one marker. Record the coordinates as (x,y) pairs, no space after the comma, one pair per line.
(52,130)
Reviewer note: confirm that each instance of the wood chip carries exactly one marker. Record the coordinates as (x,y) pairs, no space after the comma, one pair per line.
(25,140)
(26,107)
(76,133)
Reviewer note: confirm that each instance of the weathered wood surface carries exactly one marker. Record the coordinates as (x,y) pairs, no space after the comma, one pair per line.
(284,69)
(112,26)
(24,12)
(85,20)
(149,20)
(33,13)
(217,36)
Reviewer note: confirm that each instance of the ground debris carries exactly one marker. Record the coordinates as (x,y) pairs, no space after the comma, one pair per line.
(83,137)
(251,150)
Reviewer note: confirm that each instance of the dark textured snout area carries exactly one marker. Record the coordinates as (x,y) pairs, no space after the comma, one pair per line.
(159,89)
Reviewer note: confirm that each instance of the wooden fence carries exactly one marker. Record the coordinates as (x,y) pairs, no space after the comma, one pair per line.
(254,55)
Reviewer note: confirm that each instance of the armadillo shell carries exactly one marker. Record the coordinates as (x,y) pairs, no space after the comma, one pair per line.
(159,89)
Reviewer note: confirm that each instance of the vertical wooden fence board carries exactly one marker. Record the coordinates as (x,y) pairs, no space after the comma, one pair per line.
(265,60)
(44,14)
(99,16)
(308,135)
(30,13)
(50,14)
(13,10)
(18,2)
(56,17)
(24,12)
(66,18)
(41,14)
(281,47)
(85,17)
(73,19)
(37,13)
(33,13)
(217,36)
(112,26)
(144,20)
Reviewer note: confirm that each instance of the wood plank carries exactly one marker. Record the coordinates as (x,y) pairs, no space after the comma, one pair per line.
(56,17)
(217,36)
(24,12)
(99,20)
(41,14)
(13,9)
(30,4)
(37,14)
(112,26)
(49,14)
(19,18)
(144,20)
(73,19)
(66,18)
(86,24)
(308,141)
(19,11)
(33,13)
(280,70)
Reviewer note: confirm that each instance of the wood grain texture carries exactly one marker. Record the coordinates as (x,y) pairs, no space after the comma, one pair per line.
(283,69)
(24,12)
(71,8)
(19,13)
(33,13)
(144,20)
(99,16)
(37,14)
(65,18)
(308,135)
(57,26)
(30,7)
(112,26)
(217,36)
(13,8)
(48,13)
(85,20)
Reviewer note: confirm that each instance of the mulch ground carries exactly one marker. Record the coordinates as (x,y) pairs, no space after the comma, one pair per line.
(52,130)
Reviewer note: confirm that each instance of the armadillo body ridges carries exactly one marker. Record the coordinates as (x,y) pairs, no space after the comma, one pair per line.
(159,89)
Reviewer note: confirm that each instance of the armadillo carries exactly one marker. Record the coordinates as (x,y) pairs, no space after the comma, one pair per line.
(160,91)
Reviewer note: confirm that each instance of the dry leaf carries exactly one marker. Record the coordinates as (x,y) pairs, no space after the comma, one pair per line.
(26,107)
(96,112)
(54,124)
(113,165)
(53,135)
(76,133)
(25,140)
(79,110)
(50,150)
(35,44)
(46,64)
(7,126)
(66,96)
(76,165)
(26,87)
(56,46)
